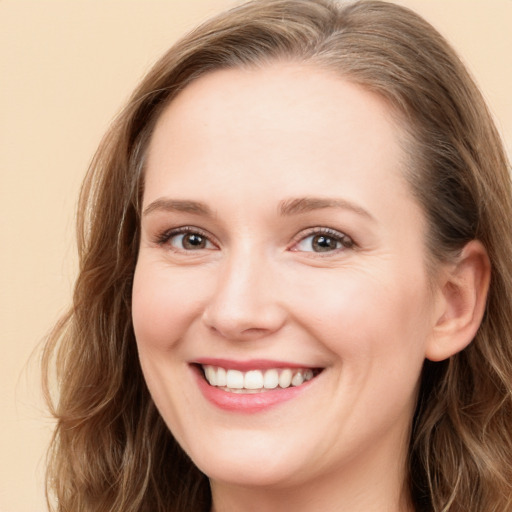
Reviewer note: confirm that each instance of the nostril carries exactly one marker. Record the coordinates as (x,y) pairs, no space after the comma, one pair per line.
(241,328)
(234,334)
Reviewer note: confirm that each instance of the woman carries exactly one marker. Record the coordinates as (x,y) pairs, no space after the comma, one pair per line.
(295,285)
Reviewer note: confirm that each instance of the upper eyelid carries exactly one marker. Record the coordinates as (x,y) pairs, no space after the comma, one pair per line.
(167,234)
(321,230)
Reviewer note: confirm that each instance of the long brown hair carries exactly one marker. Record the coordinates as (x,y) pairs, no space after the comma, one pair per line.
(111,450)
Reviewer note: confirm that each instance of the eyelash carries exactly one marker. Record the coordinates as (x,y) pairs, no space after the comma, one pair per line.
(340,238)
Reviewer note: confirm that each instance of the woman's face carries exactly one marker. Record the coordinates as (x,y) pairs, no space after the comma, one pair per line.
(281,242)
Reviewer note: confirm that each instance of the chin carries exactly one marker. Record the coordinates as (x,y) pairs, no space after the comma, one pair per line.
(250,461)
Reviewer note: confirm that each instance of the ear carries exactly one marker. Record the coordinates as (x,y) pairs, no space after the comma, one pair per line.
(461,302)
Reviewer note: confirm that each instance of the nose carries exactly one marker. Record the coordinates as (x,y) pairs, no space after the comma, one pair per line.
(245,304)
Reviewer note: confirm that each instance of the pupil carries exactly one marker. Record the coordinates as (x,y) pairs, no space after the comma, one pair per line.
(193,241)
(323,243)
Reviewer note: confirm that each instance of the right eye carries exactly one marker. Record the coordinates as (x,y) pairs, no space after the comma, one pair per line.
(186,239)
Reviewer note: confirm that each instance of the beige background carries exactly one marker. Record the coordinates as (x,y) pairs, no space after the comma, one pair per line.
(65,69)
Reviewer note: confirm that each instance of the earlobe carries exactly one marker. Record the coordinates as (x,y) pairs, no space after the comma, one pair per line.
(463,296)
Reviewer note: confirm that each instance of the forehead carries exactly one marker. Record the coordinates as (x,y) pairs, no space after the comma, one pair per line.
(284,123)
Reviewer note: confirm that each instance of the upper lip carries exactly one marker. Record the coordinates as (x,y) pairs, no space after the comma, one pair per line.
(251,364)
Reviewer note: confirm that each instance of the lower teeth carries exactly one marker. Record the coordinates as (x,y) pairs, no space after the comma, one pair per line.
(245,391)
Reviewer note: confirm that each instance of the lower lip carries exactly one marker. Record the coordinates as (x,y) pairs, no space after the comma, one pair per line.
(247,402)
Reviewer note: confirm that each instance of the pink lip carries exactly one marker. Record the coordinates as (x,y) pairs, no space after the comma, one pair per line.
(250,402)
(245,366)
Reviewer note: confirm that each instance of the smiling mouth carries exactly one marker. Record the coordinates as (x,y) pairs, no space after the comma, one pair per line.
(257,381)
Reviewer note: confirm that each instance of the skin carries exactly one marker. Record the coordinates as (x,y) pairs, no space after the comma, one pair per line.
(243,143)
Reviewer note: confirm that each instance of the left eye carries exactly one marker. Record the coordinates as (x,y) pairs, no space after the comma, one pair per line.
(324,242)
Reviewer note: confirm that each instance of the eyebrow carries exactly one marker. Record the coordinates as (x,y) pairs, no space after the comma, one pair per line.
(177,205)
(300,205)
(293,206)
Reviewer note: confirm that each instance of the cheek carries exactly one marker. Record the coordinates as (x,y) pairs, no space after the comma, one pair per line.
(369,315)
(164,304)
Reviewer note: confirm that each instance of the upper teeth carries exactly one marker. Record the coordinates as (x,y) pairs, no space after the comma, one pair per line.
(256,379)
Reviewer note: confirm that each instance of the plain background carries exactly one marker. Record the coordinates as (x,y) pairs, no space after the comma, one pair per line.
(66,68)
